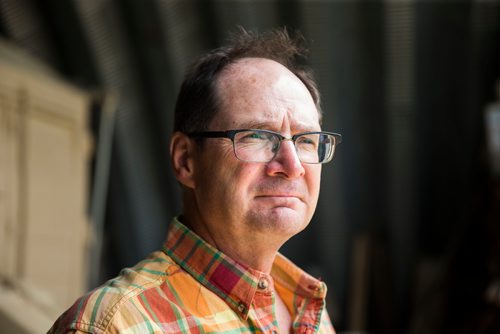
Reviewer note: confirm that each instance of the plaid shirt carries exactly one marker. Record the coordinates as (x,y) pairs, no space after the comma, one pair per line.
(190,287)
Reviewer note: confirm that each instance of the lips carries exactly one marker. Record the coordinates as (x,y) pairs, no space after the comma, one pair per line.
(281,190)
(280,196)
(283,200)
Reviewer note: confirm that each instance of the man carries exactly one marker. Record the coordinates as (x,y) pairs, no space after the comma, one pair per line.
(247,150)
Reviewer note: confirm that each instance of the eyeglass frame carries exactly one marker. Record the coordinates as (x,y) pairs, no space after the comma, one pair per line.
(232,133)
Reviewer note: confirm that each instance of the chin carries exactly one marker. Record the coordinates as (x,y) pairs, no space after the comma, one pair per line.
(280,220)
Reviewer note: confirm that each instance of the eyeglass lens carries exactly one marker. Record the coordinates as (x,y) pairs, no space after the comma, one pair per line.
(262,146)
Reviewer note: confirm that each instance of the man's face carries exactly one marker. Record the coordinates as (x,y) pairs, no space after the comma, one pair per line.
(275,199)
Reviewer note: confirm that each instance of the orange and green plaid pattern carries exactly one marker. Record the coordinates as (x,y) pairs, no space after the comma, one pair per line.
(190,287)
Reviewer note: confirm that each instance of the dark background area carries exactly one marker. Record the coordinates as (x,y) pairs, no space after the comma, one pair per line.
(406,232)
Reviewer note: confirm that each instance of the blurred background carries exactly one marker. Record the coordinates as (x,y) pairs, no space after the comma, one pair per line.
(407,230)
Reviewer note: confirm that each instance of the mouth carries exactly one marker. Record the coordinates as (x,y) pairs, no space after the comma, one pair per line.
(280,200)
(289,193)
(279,195)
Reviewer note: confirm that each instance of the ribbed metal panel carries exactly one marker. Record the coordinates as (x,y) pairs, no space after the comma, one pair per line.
(182,27)
(402,164)
(24,25)
(249,14)
(135,212)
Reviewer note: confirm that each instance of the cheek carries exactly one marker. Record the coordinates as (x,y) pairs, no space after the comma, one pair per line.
(240,183)
(241,178)
(313,180)
(210,166)
(229,181)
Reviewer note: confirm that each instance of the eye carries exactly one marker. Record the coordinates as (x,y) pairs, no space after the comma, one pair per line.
(307,140)
(253,136)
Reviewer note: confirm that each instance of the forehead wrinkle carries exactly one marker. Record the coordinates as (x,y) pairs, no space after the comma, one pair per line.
(255,124)
(267,125)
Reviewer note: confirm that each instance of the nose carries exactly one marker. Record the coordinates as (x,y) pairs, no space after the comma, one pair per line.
(286,163)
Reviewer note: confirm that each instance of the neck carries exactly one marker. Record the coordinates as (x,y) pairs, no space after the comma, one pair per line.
(253,252)
(254,249)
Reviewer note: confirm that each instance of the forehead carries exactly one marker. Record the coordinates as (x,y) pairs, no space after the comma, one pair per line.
(262,91)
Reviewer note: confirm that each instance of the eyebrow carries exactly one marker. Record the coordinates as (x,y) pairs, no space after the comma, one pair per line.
(255,125)
(269,126)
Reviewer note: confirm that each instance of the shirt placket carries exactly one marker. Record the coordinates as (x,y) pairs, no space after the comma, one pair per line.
(308,316)
(264,315)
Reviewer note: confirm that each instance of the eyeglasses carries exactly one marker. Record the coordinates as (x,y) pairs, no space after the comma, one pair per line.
(262,145)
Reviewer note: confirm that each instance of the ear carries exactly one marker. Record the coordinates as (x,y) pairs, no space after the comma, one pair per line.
(182,150)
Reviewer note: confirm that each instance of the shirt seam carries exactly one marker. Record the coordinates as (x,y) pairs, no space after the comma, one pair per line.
(112,310)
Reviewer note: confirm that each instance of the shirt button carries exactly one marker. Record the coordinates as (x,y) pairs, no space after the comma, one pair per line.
(263,284)
(241,308)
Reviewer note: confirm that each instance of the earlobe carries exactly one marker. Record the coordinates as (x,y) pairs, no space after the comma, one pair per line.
(181,154)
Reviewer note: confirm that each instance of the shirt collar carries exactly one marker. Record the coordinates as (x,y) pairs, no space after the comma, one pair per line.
(234,282)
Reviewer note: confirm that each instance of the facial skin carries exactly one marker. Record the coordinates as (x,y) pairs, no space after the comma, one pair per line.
(248,210)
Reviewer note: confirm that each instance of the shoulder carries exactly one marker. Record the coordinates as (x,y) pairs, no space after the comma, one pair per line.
(116,300)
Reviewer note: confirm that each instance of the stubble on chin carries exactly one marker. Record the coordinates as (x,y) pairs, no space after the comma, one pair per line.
(281,222)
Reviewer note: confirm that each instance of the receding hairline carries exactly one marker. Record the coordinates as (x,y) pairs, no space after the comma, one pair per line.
(233,67)
(197,104)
